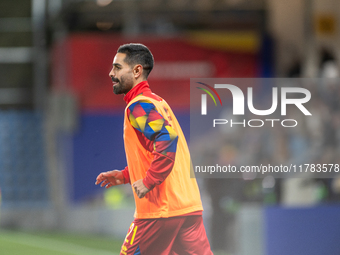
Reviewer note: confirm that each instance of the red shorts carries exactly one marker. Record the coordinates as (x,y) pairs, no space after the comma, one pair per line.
(177,235)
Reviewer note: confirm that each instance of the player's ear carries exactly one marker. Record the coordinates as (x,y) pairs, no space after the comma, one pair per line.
(137,71)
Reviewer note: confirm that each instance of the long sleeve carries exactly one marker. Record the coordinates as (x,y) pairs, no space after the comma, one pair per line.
(126,175)
(156,135)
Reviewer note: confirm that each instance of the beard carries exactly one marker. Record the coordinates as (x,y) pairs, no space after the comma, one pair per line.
(123,86)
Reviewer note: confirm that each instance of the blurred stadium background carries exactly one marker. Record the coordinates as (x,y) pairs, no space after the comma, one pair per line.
(60,124)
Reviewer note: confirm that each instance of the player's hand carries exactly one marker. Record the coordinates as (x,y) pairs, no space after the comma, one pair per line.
(110,178)
(140,188)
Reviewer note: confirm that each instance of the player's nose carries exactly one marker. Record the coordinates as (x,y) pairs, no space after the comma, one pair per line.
(111,73)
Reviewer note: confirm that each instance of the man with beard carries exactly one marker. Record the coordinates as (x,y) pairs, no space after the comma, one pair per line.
(168,216)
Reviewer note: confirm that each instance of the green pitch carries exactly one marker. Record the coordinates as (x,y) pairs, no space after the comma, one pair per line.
(19,243)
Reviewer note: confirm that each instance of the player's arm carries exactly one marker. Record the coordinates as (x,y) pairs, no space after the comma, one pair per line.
(113,178)
(126,175)
(156,135)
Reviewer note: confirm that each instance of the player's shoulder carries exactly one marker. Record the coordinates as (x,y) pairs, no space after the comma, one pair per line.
(142,105)
(151,96)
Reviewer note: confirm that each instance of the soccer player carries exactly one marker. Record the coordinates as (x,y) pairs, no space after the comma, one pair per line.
(168,216)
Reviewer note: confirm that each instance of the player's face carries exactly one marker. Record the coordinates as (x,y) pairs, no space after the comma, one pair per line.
(121,75)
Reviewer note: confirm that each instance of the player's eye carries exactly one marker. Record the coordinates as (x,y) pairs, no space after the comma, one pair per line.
(116,67)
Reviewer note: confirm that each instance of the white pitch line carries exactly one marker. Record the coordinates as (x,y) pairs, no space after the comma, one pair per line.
(54,245)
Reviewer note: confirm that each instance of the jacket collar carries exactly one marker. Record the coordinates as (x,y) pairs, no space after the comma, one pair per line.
(137,90)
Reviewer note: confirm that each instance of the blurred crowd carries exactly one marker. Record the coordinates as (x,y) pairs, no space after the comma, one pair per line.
(315,140)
